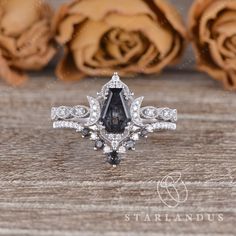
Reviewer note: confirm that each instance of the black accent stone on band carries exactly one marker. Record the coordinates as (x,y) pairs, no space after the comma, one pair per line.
(113,158)
(115,113)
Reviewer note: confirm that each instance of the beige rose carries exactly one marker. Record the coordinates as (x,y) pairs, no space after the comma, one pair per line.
(129,36)
(25,38)
(212,25)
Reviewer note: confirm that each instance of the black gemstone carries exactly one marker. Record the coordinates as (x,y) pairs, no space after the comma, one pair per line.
(113,158)
(85,132)
(144,133)
(115,113)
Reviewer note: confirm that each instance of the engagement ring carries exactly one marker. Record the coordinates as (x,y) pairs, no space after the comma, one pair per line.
(114,119)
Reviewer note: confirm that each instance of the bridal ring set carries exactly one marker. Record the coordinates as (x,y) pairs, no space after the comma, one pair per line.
(114,120)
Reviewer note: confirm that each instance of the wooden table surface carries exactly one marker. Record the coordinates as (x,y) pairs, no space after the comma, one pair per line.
(53,183)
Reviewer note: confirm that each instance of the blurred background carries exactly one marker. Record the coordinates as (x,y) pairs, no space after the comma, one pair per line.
(182,6)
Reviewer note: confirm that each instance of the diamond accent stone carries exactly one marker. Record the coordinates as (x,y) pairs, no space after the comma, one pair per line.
(149,112)
(106,149)
(99,144)
(130,144)
(122,149)
(79,111)
(166,114)
(114,144)
(150,128)
(63,112)
(93,136)
(135,137)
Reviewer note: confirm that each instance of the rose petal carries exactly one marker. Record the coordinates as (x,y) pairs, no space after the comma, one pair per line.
(18,17)
(11,76)
(119,35)
(25,37)
(230,81)
(158,35)
(211,13)
(212,27)
(172,15)
(98,10)
(35,61)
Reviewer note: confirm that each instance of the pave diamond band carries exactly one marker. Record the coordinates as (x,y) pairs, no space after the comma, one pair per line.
(114,120)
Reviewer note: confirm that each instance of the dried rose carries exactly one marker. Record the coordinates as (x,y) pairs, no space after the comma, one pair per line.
(129,36)
(212,25)
(25,38)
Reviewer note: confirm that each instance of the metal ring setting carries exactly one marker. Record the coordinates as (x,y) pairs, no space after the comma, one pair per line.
(114,120)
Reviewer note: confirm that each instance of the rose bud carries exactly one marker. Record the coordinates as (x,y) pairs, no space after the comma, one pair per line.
(25,38)
(128,36)
(212,26)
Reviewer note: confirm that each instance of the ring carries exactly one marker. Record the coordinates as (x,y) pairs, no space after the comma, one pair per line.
(114,119)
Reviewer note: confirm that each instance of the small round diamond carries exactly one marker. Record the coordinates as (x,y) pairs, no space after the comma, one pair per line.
(135,137)
(130,144)
(122,149)
(93,136)
(111,136)
(78,111)
(79,128)
(150,128)
(149,112)
(99,144)
(63,112)
(106,149)
(166,114)
(114,144)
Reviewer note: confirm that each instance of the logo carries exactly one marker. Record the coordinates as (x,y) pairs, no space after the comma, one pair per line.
(171,190)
